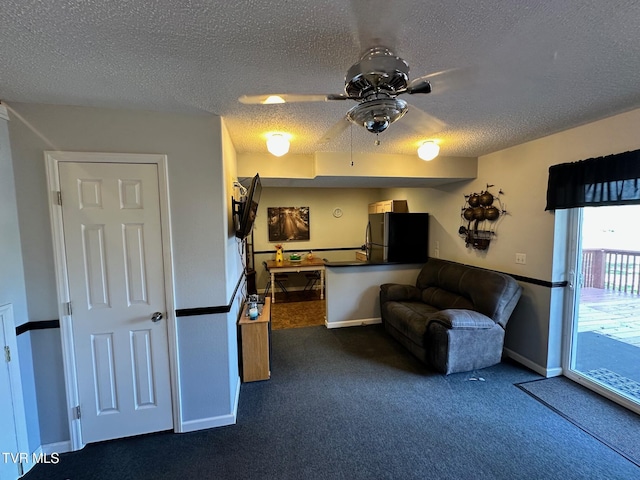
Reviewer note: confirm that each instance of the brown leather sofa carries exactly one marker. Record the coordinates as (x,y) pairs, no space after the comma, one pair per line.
(454,317)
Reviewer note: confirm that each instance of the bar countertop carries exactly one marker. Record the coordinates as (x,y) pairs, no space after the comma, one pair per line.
(368,263)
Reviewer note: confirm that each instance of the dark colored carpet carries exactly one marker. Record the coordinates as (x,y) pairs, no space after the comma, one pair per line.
(352,404)
(605,420)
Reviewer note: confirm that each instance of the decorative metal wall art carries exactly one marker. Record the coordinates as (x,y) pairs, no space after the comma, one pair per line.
(480,215)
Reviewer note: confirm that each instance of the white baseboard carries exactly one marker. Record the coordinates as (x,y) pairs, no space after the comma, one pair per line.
(545,372)
(57,447)
(213,422)
(236,401)
(554,372)
(290,288)
(361,322)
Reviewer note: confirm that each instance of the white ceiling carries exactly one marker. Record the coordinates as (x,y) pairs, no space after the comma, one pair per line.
(514,70)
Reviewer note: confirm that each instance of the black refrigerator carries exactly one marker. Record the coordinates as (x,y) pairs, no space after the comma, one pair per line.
(398,237)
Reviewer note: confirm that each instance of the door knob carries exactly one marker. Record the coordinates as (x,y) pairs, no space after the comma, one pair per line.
(156,317)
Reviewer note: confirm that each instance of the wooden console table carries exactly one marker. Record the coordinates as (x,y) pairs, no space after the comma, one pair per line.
(287,266)
(255,344)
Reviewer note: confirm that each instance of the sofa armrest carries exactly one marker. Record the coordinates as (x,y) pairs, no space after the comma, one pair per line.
(461,319)
(395,292)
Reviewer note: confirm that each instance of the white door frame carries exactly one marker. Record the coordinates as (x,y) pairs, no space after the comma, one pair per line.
(7,325)
(571,303)
(52,160)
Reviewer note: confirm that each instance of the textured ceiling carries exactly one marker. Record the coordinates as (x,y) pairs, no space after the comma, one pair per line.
(512,70)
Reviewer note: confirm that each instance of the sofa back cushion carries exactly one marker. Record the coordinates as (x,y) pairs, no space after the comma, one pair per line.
(447,285)
(443,299)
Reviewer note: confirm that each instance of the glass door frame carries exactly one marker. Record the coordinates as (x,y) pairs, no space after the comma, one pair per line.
(574,220)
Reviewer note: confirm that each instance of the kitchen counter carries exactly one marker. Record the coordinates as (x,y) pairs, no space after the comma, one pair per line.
(353,289)
(360,263)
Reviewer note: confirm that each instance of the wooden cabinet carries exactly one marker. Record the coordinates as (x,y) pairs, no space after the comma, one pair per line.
(255,344)
(398,206)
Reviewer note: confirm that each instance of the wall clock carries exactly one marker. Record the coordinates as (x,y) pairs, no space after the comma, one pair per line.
(337,212)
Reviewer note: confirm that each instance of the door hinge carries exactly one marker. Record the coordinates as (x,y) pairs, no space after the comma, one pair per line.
(77,413)
(59,198)
(67,308)
(7,353)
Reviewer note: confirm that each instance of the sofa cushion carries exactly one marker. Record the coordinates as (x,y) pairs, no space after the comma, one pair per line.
(454,317)
(409,318)
(442,299)
(491,293)
(399,293)
(461,319)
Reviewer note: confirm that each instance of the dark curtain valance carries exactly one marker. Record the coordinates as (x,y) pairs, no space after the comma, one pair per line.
(610,180)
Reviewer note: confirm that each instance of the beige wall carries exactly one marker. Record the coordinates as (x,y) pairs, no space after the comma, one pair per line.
(326,231)
(534,335)
(201,164)
(198,205)
(334,166)
(535,330)
(199,184)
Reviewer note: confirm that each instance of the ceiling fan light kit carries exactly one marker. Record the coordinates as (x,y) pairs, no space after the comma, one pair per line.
(277,144)
(377,114)
(428,150)
(273,99)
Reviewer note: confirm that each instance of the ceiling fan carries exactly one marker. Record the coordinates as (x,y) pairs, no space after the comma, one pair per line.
(375,82)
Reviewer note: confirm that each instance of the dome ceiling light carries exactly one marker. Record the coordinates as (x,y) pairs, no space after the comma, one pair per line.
(277,144)
(428,150)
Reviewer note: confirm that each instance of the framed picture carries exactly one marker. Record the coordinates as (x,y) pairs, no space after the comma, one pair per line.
(288,223)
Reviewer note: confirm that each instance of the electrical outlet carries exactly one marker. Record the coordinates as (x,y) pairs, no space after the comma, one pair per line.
(521,258)
(437,245)
(436,253)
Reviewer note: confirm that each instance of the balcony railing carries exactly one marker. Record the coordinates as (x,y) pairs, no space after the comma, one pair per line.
(617,270)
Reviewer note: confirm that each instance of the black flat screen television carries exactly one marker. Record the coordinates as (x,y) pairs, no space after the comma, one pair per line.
(247,208)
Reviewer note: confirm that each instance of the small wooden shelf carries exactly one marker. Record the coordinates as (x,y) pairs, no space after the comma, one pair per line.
(255,344)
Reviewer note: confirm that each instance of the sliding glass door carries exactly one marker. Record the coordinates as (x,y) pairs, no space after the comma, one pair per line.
(604,346)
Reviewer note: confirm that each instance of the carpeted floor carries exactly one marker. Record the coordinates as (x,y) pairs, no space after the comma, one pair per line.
(351,403)
(610,423)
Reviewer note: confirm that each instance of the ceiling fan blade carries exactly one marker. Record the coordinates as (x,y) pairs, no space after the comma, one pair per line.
(335,130)
(445,80)
(275,98)
(421,122)
(419,85)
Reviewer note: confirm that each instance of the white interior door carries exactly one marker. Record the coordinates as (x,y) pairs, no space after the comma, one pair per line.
(113,244)
(8,434)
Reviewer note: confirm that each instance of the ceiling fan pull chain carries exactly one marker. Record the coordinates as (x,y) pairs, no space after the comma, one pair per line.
(351,138)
